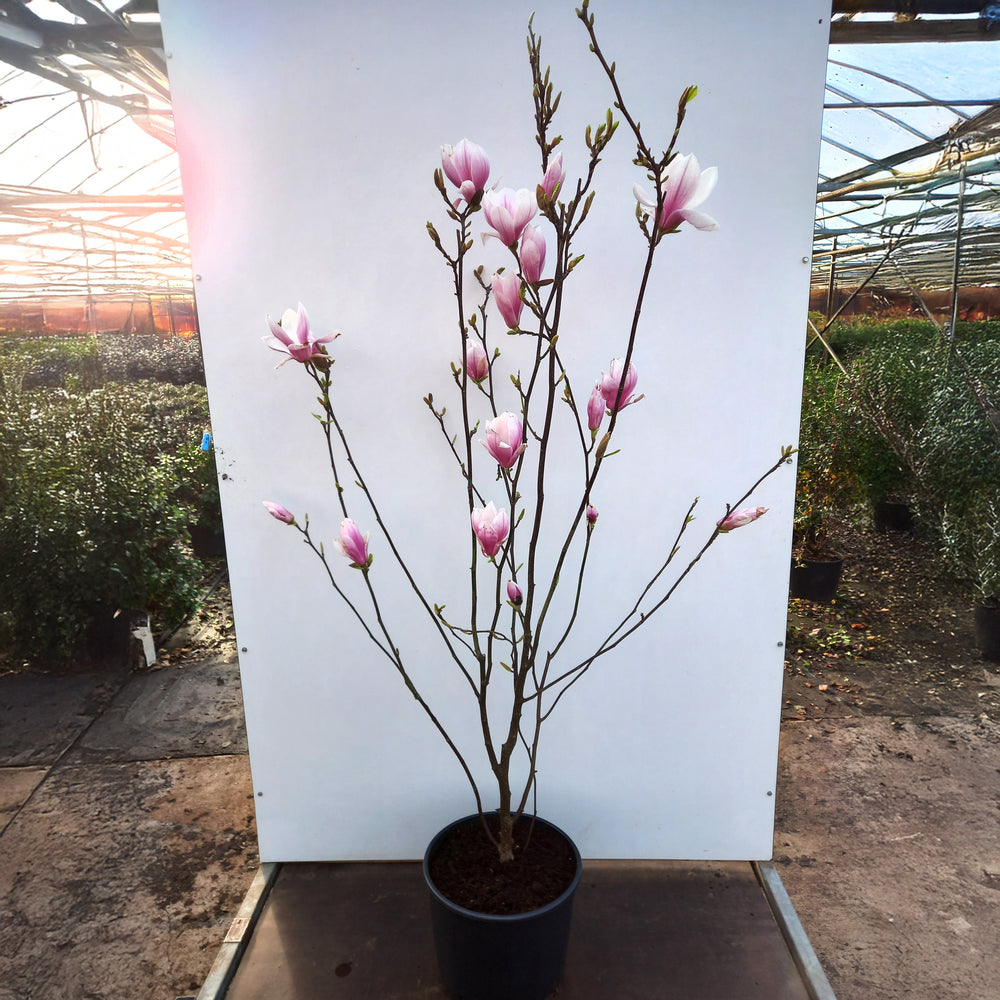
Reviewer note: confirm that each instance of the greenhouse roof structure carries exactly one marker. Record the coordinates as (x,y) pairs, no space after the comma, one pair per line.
(90,195)
(909,188)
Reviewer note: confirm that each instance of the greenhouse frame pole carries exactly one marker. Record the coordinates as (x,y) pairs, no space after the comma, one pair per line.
(958,253)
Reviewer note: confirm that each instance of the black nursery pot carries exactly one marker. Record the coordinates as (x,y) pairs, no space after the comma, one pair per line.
(816,580)
(987,624)
(206,542)
(892,516)
(483,956)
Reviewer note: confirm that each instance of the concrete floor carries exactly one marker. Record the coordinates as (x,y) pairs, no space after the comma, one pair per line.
(127,834)
(127,839)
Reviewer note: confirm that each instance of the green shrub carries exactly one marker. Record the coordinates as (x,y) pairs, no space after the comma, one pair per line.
(958,454)
(54,360)
(852,339)
(89,515)
(958,448)
(888,391)
(82,363)
(916,425)
(197,486)
(825,481)
(136,357)
(970,543)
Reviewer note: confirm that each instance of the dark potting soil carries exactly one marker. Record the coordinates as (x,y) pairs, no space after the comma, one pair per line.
(467,869)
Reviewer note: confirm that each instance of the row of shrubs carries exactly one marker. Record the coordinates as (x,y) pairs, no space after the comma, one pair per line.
(89,361)
(913,418)
(99,480)
(101,470)
(851,338)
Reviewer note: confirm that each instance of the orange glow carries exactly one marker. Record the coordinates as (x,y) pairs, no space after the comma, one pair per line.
(161,314)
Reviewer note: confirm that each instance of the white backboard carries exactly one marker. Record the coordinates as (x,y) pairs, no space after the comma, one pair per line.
(308,136)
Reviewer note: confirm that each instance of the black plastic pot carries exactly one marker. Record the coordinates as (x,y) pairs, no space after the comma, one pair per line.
(987,624)
(482,956)
(892,516)
(816,580)
(206,542)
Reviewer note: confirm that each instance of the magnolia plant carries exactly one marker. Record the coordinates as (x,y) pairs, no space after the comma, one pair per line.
(514,632)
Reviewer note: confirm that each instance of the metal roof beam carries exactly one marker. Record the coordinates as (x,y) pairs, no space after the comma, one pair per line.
(876,32)
(907,7)
(858,105)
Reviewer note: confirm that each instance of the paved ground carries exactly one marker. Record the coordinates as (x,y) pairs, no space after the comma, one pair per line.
(127,834)
(127,838)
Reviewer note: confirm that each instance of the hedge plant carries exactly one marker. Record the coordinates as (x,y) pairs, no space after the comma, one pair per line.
(82,363)
(90,516)
(915,418)
(825,480)
(888,389)
(958,453)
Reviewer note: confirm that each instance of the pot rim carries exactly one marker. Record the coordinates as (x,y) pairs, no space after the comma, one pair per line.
(500,918)
(811,561)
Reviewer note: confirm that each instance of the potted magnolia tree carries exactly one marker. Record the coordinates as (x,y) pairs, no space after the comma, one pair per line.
(502,875)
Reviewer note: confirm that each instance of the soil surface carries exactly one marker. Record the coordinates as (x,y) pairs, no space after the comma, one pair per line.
(887,832)
(898,638)
(465,869)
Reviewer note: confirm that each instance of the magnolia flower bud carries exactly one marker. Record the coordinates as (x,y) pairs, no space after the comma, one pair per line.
(508,212)
(554,176)
(532,254)
(610,382)
(737,518)
(477,364)
(514,593)
(504,439)
(507,295)
(595,409)
(591,515)
(353,544)
(467,167)
(281,513)
(490,527)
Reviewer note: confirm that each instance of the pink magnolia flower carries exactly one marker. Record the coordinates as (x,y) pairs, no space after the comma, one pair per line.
(737,518)
(684,185)
(477,365)
(595,409)
(353,544)
(514,594)
(507,295)
(610,381)
(490,527)
(293,337)
(508,212)
(591,515)
(554,175)
(532,254)
(504,439)
(281,513)
(467,167)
